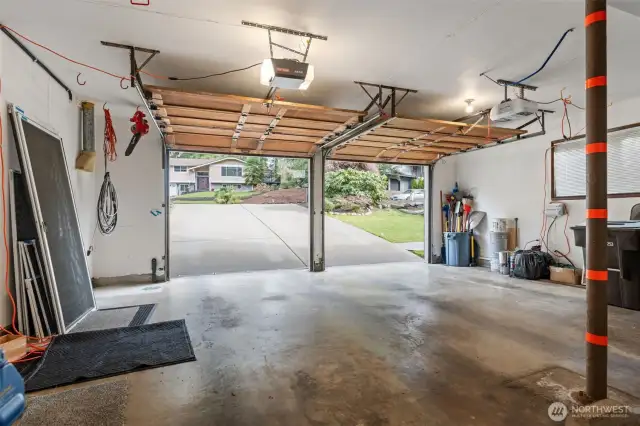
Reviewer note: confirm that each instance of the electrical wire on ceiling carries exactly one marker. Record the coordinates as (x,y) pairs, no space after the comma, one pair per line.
(548,57)
(122,78)
(210,75)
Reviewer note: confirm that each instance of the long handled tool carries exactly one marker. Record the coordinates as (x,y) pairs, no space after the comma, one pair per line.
(474,220)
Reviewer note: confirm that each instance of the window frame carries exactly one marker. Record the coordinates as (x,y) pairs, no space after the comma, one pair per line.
(186,169)
(555,197)
(222,171)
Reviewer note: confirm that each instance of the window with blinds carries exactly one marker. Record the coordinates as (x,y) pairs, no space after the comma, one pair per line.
(623,174)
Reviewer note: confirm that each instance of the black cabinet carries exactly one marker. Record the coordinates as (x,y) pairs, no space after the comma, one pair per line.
(623,261)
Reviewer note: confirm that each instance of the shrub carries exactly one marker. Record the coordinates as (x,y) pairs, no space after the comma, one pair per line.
(329,205)
(348,182)
(352,203)
(225,195)
(417,183)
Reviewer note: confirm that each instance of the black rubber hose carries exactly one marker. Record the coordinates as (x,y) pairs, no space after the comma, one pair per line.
(107,206)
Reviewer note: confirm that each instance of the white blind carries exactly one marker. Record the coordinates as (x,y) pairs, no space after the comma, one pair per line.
(623,172)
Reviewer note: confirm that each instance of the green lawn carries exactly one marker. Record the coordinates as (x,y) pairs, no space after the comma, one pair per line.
(419,253)
(392,225)
(202,194)
(194,201)
(204,197)
(245,194)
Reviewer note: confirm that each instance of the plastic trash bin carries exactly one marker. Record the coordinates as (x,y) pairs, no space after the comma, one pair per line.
(458,246)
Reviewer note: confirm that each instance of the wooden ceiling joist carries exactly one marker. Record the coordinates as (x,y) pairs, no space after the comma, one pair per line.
(208,122)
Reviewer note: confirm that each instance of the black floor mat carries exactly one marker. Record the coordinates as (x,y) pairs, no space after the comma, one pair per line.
(91,355)
(143,314)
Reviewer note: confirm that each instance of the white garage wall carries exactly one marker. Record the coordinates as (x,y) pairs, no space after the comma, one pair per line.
(508,181)
(25,84)
(444,179)
(138,179)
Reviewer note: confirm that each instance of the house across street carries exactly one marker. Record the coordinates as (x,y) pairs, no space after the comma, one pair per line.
(196,174)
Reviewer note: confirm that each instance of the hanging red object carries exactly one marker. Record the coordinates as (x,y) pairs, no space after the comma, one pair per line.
(137,3)
(139,129)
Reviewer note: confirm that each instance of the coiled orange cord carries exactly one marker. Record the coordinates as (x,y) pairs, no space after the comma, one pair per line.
(110,138)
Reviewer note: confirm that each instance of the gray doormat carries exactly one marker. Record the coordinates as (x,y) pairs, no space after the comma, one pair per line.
(90,355)
(101,404)
(124,316)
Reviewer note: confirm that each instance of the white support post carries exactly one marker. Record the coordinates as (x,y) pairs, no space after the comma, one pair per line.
(316,212)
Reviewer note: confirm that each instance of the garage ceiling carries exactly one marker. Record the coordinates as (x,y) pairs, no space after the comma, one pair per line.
(438,47)
(200,121)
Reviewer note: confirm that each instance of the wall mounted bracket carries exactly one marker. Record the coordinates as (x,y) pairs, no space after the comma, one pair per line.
(288,31)
(391,96)
(37,61)
(136,81)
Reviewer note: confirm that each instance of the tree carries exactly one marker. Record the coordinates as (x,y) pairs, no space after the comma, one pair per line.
(333,166)
(293,172)
(417,183)
(254,170)
(389,170)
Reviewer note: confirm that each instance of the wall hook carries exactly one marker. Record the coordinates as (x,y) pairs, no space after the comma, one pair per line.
(78,80)
(104,106)
(122,81)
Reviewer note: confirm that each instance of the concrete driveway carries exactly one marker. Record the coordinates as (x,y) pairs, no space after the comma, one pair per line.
(212,239)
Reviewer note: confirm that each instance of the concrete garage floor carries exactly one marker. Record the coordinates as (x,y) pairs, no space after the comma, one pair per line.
(212,239)
(388,344)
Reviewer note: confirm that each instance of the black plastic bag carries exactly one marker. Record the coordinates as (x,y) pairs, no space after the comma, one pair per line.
(531,265)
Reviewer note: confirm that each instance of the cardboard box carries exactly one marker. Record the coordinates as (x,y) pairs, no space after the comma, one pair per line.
(566,275)
(14,347)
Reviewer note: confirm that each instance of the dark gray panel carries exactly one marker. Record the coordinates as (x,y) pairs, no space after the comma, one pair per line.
(62,228)
(25,224)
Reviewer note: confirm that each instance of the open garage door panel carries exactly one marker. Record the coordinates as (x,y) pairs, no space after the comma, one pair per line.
(236,124)
(419,141)
(208,122)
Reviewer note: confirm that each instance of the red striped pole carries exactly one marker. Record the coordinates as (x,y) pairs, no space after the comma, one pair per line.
(596,152)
